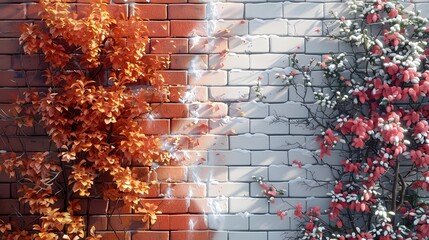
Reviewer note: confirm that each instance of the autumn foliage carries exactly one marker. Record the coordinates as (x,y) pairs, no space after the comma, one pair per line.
(91,115)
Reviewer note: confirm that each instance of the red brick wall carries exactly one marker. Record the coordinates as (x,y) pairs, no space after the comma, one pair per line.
(170,24)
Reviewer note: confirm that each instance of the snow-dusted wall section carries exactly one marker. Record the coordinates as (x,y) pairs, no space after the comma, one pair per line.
(223,55)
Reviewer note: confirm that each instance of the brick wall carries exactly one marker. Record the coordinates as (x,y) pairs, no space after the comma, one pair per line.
(218,52)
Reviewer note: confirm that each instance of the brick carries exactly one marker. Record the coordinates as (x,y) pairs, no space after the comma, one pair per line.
(268,222)
(269,125)
(24,222)
(5,178)
(229,125)
(250,141)
(207,78)
(302,10)
(264,61)
(286,44)
(170,110)
(208,110)
(172,173)
(27,143)
(162,223)
(251,205)
(268,157)
(285,173)
(99,222)
(228,222)
(303,27)
(169,45)
(208,44)
(276,26)
(249,109)
(322,202)
(199,235)
(289,110)
(336,10)
(249,78)
(208,205)
(248,235)
(174,77)
(229,157)
(301,94)
(187,11)
(167,206)
(189,126)
(228,189)
(127,221)
(207,142)
(4,190)
(188,28)
(12,11)
(229,94)
(188,222)
(115,234)
(150,235)
(229,27)
(188,93)
(182,190)
(240,174)
(229,61)
(229,10)
(188,61)
(188,157)
(249,44)
(275,94)
(5,61)
(208,173)
(26,62)
(156,126)
(263,10)
(151,11)
(314,43)
(10,29)
(100,206)
(158,28)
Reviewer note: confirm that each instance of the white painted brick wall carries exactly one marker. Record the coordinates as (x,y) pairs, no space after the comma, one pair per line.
(243,140)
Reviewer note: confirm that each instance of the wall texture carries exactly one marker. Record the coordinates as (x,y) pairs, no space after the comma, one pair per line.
(219,51)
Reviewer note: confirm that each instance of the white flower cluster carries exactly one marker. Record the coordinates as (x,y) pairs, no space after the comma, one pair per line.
(324,99)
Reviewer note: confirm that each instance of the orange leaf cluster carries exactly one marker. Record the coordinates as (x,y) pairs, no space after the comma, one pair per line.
(91,115)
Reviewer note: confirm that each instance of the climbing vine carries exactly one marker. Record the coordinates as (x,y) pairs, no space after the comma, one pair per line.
(373,104)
